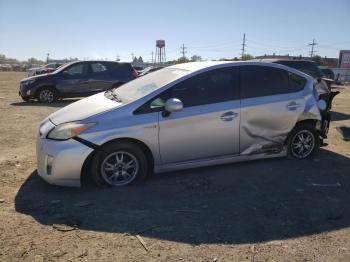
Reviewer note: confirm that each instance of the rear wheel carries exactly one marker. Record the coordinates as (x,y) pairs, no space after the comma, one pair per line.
(47,95)
(303,141)
(119,164)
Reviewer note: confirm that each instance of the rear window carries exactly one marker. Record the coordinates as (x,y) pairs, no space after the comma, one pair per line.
(296,83)
(98,68)
(123,67)
(258,81)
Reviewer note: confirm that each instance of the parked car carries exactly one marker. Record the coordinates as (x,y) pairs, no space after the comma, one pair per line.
(43,69)
(149,69)
(76,79)
(183,116)
(327,72)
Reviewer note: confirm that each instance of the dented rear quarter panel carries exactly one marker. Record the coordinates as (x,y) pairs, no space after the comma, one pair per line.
(266,121)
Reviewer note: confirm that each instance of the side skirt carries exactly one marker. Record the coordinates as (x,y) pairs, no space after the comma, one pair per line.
(215,161)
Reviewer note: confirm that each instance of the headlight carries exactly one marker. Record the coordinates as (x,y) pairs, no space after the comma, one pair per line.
(68,130)
(29,82)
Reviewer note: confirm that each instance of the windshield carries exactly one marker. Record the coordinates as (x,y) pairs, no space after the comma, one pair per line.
(145,85)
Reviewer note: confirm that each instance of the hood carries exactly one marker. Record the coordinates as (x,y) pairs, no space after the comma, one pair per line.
(37,77)
(84,108)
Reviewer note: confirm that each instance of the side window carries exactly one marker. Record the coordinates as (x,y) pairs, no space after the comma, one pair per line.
(98,68)
(260,81)
(77,70)
(215,86)
(296,83)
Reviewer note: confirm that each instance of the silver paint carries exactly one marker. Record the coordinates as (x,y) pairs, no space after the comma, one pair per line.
(196,136)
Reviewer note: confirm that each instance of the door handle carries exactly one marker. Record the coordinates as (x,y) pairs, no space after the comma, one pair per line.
(228,116)
(292,105)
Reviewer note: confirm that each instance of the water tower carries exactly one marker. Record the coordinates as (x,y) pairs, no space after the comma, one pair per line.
(160,52)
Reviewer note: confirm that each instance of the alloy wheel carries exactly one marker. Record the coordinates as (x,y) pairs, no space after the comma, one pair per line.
(119,168)
(46,95)
(302,144)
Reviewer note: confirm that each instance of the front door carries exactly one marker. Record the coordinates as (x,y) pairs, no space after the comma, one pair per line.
(74,80)
(208,125)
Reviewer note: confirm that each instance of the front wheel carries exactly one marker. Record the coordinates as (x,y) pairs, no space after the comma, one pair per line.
(119,164)
(25,99)
(47,95)
(303,142)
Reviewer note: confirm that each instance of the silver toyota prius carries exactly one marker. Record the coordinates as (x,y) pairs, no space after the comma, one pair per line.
(183,116)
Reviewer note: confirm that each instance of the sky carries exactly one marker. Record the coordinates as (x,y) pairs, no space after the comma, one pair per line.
(105,29)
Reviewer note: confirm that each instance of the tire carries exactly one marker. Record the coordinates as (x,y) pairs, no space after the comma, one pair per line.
(47,95)
(25,99)
(111,164)
(303,142)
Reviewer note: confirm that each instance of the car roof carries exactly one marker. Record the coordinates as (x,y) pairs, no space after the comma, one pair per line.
(273,60)
(97,61)
(202,66)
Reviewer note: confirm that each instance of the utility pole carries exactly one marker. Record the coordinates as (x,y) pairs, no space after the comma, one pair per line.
(47,58)
(312,52)
(243,46)
(183,50)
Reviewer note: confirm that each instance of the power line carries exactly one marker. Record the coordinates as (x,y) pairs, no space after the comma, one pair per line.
(312,47)
(183,50)
(243,45)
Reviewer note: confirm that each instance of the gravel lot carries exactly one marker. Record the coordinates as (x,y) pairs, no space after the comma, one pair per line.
(266,210)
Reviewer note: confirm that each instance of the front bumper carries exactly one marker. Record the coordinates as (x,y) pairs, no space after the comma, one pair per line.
(24,91)
(61,162)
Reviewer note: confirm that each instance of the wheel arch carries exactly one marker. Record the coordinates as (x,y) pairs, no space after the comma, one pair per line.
(41,87)
(312,122)
(85,171)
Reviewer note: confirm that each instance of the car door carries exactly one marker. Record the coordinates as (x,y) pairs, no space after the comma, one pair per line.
(73,80)
(271,103)
(208,125)
(100,78)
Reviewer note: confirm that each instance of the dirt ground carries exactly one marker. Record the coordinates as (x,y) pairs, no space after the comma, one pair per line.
(268,210)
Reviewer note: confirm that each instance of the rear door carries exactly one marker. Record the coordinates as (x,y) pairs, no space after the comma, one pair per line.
(73,80)
(208,125)
(100,76)
(271,103)
(122,73)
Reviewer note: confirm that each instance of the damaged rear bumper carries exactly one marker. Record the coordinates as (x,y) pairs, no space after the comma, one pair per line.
(326,115)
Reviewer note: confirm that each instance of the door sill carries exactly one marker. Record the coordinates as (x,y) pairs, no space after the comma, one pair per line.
(215,161)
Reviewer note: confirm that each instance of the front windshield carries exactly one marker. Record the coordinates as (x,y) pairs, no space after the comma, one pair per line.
(145,85)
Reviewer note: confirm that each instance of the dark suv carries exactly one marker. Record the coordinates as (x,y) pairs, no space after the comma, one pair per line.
(76,79)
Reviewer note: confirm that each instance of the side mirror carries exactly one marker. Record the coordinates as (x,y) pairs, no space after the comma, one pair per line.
(172,105)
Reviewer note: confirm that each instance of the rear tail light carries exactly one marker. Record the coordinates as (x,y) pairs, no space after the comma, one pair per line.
(135,74)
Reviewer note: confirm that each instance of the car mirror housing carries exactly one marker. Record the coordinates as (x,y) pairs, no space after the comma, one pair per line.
(173,105)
